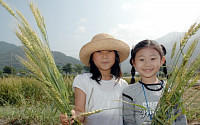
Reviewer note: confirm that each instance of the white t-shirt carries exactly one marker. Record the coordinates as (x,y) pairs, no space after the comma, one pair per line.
(102,96)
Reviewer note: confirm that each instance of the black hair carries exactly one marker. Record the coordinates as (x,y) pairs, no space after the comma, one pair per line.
(143,44)
(164,65)
(115,69)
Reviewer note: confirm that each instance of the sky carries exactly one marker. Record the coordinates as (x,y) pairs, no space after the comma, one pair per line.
(72,23)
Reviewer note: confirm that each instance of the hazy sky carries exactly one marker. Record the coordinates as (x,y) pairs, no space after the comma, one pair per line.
(72,23)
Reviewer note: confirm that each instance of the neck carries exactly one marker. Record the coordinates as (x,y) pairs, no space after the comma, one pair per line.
(106,76)
(150,80)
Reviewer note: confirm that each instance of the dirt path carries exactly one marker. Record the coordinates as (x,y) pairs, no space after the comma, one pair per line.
(3,122)
(194,123)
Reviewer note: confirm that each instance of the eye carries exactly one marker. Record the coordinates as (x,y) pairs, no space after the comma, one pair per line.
(141,59)
(110,51)
(153,58)
(98,51)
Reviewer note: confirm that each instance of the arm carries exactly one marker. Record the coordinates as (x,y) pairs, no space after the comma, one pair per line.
(128,111)
(80,99)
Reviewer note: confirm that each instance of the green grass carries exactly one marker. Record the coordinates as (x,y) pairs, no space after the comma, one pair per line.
(40,114)
(27,103)
(20,90)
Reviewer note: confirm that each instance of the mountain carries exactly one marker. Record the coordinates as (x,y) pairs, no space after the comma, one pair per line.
(9,52)
(169,40)
(61,59)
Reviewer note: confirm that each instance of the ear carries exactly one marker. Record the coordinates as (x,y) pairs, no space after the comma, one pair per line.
(162,60)
(133,62)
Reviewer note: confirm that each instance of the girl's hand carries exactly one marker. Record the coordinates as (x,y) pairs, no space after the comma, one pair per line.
(65,120)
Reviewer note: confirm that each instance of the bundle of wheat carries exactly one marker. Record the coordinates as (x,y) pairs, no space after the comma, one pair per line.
(181,77)
(39,60)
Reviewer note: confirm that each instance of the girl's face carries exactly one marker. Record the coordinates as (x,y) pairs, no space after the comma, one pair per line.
(148,62)
(104,59)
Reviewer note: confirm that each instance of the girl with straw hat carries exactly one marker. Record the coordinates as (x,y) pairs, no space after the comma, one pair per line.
(103,85)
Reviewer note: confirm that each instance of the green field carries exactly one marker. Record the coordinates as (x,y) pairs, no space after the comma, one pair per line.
(23,101)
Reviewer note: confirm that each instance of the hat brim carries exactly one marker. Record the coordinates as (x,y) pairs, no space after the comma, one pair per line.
(105,44)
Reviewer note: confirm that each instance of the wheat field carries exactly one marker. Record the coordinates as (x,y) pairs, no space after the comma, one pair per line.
(26,103)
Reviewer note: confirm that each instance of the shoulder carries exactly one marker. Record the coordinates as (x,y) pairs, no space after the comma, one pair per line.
(163,82)
(83,82)
(83,76)
(130,91)
(122,82)
(131,87)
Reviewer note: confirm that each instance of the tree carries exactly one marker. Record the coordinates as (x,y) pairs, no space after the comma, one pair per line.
(86,69)
(78,68)
(9,70)
(67,68)
(1,72)
(60,70)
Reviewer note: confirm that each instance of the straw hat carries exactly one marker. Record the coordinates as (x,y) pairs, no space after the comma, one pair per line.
(103,42)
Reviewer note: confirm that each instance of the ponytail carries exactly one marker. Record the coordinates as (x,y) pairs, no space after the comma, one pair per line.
(164,65)
(133,68)
(133,75)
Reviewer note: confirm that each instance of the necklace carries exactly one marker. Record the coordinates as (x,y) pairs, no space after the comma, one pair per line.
(146,102)
(148,108)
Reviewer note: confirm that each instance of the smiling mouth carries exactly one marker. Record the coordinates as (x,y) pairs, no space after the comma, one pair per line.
(105,62)
(147,70)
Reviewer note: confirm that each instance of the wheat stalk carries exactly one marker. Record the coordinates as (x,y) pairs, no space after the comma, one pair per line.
(5,5)
(39,60)
(181,77)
